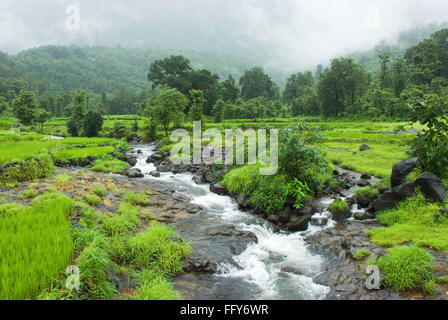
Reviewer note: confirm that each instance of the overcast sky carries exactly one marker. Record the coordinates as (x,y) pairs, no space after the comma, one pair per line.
(299,33)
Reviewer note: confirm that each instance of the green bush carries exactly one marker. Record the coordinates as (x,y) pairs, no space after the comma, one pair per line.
(40,167)
(238,181)
(268,193)
(406,267)
(300,191)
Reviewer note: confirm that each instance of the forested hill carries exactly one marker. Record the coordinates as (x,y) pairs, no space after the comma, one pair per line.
(397,47)
(103,69)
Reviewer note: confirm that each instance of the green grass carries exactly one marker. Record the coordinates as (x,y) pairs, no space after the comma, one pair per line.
(99,189)
(238,181)
(17,151)
(153,286)
(361,254)
(412,221)
(338,206)
(36,246)
(40,167)
(109,166)
(406,267)
(83,141)
(80,153)
(92,199)
(136,198)
(153,249)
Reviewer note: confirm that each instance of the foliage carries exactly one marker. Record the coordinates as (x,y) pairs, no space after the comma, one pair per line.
(197,98)
(25,107)
(338,206)
(238,181)
(92,199)
(431,146)
(300,191)
(268,193)
(361,254)
(39,167)
(109,166)
(168,107)
(406,267)
(136,198)
(255,83)
(153,286)
(92,123)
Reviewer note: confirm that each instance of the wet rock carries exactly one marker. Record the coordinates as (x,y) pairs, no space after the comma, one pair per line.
(273,218)
(363,183)
(149,160)
(133,173)
(218,189)
(366,176)
(200,262)
(432,187)
(132,160)
(345,193)
(363,201)
(319,221)
(292,270)
(310,207)
(212,177)
(390,198)
(361,215)
(122,281)
(199,179)
(339,215)
(155,174)
(400,170)
(364,147)
(134,138)
(299,223)
(243,201)
(156,157)
(139,151)
(231,231)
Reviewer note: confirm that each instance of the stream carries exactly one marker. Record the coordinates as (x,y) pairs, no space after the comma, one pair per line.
(255,271)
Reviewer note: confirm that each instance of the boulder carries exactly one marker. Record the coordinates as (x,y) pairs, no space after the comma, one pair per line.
(273,218)
(130,159)
(366,176)
(364,147)
(134,138)
(363,183)
(218,189)
(212,177)
(390,198)
(155,174)
(299,223)
(289,269)
(156,157)
(319,221)
(133,173)
(432,187)
(243,201)
(199,179)
(360,215)
(400,170)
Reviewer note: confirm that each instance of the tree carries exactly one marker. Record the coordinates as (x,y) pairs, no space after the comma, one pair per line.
(340,86)
(170,71)
(78,112)
(25,107)
(208,83)
(255,83)
(42,116)
(168,107)
(296,84)
(384,60)
(399,76)
(229,90)
(218,110)
(197,98)
(92,123)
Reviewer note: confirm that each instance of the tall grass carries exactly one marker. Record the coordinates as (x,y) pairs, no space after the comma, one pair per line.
(22,150)
(35,246)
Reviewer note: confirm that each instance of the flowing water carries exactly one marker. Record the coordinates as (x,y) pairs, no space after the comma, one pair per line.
(256,273)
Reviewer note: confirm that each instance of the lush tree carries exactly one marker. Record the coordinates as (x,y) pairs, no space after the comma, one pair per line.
(218,110)
(255,83)
(384,60)
(197,98)
(306,103)
(78,111)
(92,123)
(229,90)
(208,83)
(296,85)
(170,71)
(341,85)
(399,76)
(42,116)
(25,107)
(168,107)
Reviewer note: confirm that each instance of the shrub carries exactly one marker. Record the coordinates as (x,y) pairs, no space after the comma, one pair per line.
(268,193)
(406,267)
(10,208)
(29,193)
(239,180)
(366,194)
(300,191)
(125,221)
(27,170)
(36,246)
(136,198)
(300,158)
(92,123)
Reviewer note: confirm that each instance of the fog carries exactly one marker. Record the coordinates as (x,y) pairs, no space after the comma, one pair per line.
(287,34)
